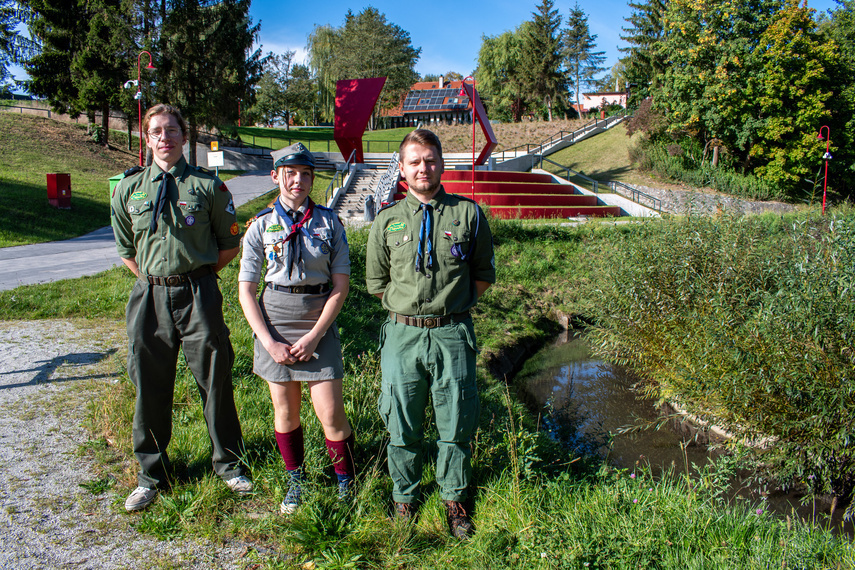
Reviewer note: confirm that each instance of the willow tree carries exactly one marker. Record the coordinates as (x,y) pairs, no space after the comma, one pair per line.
(367,45)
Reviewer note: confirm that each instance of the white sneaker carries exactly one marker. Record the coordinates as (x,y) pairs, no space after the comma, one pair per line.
(240,485)
(139,499)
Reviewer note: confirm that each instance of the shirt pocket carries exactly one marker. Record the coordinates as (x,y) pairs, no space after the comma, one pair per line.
(454,243)
(401,245)
(194,214)
(141,213)
(275,248)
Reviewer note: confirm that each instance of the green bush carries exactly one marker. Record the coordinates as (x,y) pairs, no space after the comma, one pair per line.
(684,167)
(749,321)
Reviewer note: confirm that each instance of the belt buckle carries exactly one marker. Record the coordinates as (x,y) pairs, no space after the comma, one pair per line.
(173,280)
(430,322)
(298,289)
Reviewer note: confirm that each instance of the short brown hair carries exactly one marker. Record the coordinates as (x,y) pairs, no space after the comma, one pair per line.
(422,137)
(164,109)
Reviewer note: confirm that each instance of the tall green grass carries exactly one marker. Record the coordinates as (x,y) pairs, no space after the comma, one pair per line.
(749,322)
(535,505)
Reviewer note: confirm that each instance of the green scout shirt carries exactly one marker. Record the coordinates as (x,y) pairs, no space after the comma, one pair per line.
(198,220)
(447,288)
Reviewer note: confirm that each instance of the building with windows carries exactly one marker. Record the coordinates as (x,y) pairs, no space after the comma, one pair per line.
(430,103)
(603,99)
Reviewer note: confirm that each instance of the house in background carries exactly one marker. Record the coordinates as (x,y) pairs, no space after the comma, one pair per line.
(430,103)
(602,99)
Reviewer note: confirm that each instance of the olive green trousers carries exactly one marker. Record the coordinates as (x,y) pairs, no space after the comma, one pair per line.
(161,320)
(440,363)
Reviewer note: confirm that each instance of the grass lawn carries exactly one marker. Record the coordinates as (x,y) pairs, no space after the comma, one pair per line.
(537,504)
(604,157)
(319,139)
(31,147)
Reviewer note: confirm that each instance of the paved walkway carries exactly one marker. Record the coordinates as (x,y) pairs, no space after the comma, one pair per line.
(96,251)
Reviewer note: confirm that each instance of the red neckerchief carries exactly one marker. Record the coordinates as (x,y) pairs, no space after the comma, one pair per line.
(295,249)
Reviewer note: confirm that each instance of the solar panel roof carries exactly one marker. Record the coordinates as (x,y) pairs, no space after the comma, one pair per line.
(445,99)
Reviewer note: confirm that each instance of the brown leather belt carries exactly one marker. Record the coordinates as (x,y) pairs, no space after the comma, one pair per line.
(300,289)
(174,280)
(429,322)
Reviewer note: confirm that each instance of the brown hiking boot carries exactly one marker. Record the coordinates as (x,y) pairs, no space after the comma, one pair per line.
(458,520)
(405,511)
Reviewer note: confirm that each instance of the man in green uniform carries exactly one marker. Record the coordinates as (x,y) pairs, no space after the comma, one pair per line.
(429,258)
(175,228)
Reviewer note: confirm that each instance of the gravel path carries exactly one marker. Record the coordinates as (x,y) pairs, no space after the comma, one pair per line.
(49,371)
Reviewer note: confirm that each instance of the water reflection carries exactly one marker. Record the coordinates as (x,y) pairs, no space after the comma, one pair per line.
(584,400)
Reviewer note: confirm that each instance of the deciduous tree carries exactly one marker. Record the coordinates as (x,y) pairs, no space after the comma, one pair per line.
(207,62)
(367,45)
(499,74)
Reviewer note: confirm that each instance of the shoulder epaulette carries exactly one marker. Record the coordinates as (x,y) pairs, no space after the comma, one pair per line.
(205,170)
(320,207)
(464,198)
(263,212)
(133,170)
(389,205)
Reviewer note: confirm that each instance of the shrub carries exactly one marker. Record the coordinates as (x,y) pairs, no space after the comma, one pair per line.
(751,322)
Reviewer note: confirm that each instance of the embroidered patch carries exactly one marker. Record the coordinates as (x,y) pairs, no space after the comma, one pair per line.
(325,249)
(234,229)
(223,187)
(182,204)
(190,220)
(132,209)
(138,195)
(396,227)
(230,209)
(274,228)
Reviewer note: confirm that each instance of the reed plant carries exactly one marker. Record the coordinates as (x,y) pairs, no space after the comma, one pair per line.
(749,322)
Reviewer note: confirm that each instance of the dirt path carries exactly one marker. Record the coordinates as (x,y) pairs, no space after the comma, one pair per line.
(49,372)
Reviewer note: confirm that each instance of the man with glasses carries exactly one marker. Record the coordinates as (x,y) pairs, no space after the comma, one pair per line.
(175,228)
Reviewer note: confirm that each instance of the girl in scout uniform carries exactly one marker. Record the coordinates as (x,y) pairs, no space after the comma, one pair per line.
(296,337)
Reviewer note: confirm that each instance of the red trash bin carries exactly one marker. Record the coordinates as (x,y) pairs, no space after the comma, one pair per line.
(59,190)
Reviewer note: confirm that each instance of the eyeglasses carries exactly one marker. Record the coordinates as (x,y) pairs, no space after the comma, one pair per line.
(171,133)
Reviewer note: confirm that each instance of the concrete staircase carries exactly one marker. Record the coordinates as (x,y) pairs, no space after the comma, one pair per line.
(351,205)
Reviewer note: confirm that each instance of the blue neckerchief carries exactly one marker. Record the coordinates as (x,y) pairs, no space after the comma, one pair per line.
(424,240)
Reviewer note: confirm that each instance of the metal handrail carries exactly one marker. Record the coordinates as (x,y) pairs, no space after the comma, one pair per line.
(345,168)
(635,194)
(531,148)
(568,170)
(387,182)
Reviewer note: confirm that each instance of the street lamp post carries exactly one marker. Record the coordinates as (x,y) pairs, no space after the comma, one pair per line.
(138,97)
(239,102)
(826,157)
(472,102)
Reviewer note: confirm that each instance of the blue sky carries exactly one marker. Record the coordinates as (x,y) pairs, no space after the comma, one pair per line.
(449,32)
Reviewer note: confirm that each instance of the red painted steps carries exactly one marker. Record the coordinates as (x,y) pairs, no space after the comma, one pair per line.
(522,195)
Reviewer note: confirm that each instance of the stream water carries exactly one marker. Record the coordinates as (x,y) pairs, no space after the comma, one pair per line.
(584,403)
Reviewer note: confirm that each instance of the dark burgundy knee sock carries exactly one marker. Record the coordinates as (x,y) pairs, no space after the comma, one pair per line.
(341,453)
(291,448)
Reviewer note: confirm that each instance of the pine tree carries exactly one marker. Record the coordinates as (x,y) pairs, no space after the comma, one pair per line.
(646,60)
(582,62)
(542,74)
(207,65)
